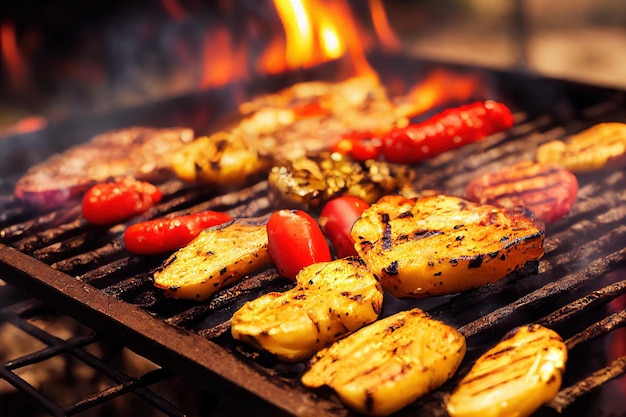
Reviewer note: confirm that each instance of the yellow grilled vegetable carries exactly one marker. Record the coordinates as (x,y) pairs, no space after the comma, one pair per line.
(330,300)
(514,378)
(223,159)
(590,150)
(381,368)
(420,247)
(214,259)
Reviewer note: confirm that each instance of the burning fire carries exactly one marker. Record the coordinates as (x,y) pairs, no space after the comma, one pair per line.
(298,34)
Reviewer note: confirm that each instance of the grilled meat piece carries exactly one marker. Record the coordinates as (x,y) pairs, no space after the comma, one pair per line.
(386,365)
(514,378)
(308,182)
(548,190)
(331,299)
(214,259)
(420,247)
(600,146)
(139,152)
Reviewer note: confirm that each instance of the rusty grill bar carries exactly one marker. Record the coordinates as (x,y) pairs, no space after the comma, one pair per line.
(84,271)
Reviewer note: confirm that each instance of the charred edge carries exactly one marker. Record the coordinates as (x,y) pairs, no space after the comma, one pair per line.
(476,262)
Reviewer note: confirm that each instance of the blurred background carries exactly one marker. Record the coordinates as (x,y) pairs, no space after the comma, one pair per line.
(61,59)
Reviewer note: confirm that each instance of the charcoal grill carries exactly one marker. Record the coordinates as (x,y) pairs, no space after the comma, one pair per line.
(84,272)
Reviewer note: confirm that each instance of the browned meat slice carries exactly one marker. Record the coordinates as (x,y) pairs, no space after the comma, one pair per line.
(139,152)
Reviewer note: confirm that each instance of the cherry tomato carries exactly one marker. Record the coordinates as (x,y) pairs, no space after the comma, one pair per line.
(337,217)
(112,202)
(169,234)
(295,240)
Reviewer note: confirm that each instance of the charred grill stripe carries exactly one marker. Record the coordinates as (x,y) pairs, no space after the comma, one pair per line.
(504,368)
(525,175)
(424,234)
(499,383)
(386,238)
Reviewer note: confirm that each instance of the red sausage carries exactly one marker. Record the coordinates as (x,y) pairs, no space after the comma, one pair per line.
(169,234)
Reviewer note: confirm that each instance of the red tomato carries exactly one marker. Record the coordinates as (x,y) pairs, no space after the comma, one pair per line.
(169,234)
(112,202)
(295,240)
(337,217)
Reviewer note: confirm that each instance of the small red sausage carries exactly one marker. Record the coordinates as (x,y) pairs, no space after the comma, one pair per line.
(295,240)
(113,202)
(336,218)
(449,129)
(169,234)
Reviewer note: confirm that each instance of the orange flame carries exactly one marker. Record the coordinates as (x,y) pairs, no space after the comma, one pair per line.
(381,25)
(11,55)
(439,88)
(223,62)
(315,31)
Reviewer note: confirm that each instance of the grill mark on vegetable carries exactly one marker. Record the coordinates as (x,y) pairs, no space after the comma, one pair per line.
(503,368)
(424,234)
(386,238)
(391,269)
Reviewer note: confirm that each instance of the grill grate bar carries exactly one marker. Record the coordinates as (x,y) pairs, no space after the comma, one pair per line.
(546,293)
(614,321)
(75,348)
(567,396)
(578,307)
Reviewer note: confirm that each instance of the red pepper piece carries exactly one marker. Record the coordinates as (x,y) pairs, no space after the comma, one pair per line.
(113,202)
(337,217)
(450,129)
(295,240)
(169,234)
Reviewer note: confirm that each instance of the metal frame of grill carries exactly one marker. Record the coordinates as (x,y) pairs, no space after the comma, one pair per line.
(56,257)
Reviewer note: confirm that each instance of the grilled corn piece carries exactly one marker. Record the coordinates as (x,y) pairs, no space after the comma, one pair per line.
(592,149)
(214,259)
(222,159)
(514,378)
(436,245)
(330,300)
(310,181)
(386,365)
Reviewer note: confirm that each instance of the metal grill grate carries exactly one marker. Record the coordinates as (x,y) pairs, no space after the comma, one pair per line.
(86,273)
(77,347)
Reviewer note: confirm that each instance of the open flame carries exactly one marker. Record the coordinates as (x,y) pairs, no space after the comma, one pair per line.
(297,34)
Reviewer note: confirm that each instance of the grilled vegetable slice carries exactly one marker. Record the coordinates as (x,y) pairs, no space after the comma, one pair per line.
(330,300)
(222,159)
(597,147)
(548,190)
(308,182)
(514,378)
(214,259)
(420,247)
(386,365)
